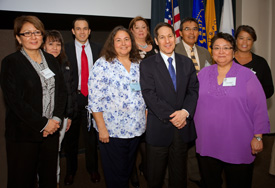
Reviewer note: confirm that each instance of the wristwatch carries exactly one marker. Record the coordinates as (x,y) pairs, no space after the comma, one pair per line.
(258,138)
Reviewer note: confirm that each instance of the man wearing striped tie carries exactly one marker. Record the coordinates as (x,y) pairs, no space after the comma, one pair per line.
(189,31)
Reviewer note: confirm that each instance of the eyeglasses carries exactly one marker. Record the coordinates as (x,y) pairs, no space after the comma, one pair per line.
(226,49)
(189,29)
(29,34)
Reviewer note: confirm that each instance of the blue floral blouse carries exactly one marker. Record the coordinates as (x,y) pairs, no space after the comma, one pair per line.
(116,92)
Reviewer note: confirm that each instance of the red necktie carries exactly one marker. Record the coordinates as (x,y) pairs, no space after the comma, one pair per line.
(84,72)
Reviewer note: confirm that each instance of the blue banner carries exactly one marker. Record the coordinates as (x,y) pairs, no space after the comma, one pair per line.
(198,14)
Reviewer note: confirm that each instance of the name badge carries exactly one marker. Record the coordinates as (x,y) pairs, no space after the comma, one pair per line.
(135,86)
(47,73)
(230,81)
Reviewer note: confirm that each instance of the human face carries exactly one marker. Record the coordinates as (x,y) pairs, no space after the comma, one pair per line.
(222,52)
(190,33)
(31,43)
(52,47)
(244,42)
(166,40)
(122,44)
(81,31)
(140,30)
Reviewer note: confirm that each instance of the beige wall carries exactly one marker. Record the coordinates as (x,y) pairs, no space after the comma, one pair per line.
(259,14)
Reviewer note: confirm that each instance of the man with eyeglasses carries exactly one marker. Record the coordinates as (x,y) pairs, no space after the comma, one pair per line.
(189,31)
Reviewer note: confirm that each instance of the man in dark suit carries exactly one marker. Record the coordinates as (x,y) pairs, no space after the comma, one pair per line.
(189,31)
(170,89)
(81,52)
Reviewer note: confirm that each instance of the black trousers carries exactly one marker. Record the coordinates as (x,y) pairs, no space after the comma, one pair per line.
(118,158)
(26,160)
(71,140)
(237,175)
(173,156)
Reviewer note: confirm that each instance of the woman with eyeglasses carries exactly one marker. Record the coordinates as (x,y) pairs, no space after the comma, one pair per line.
(230,118)
(35,97)
(245,37)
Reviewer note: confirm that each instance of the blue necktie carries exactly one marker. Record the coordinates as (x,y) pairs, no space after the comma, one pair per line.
(172,72)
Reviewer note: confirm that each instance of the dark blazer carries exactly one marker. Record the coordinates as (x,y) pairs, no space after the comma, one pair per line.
(71,54)
(162,99)
(22,92)
(203,54)
(71,106)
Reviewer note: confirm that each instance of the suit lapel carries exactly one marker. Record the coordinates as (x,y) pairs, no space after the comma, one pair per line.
(201,59)
(164,71)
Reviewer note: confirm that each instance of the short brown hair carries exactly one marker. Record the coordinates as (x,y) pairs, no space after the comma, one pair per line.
(20,21)
(160,25)
(109,52)
(148,39)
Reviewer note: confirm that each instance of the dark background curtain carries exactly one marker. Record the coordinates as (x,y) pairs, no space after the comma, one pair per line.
(186,8)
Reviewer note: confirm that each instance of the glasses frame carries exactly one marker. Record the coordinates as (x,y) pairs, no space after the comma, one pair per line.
(29,34)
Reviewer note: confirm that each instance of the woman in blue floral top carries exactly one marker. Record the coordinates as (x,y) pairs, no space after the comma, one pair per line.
(117,105)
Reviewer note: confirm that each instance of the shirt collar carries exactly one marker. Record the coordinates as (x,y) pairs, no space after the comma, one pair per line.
(78,44)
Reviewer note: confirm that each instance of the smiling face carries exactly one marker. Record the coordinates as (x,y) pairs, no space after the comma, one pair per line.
(244,41)
(166,40)
(140,30)
(81,31)
(32,42)
(222,52)
(52,47)
(122,44)
(190,33)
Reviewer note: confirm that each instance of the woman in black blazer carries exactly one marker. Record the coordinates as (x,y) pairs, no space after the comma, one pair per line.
(54,44)
(35,97)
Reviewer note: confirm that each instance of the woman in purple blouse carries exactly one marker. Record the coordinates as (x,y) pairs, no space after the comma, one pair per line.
(230,118)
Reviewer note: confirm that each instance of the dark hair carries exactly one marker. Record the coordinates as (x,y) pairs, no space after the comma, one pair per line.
(20,21)
(162,24)
(108,50)
(80,19)
(188,19)
(148,39)
(55,36)
(224,36)
(247,29)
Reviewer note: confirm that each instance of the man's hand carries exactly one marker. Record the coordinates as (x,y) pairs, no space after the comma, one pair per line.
(179,118)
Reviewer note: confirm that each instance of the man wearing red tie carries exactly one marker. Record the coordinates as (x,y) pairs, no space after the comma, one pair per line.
(81,54)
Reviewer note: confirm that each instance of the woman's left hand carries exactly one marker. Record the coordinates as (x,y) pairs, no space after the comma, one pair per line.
(256,146)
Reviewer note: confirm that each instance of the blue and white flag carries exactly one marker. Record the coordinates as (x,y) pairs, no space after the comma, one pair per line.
(198,14)
(226,24)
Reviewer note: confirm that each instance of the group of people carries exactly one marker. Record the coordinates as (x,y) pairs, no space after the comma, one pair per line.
(185,111)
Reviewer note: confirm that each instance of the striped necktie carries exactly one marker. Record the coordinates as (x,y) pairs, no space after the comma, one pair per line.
(194,60)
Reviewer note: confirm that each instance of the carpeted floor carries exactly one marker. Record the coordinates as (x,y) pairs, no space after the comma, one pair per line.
(261,177)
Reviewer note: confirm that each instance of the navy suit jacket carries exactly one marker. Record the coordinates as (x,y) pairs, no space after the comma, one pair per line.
(162,99)
(71,54)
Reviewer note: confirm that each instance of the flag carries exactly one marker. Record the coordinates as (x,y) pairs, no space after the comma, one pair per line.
(210,20)
(226,25)
(172,16)
(198,14)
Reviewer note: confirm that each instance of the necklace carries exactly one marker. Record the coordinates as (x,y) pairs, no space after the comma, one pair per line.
(143,46)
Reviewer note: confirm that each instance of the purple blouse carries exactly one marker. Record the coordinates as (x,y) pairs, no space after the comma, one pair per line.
(227,117)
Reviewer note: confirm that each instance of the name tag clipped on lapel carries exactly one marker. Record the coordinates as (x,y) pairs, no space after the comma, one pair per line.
(230,81)
(47,73)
